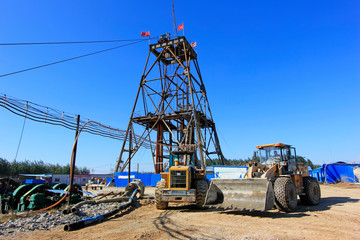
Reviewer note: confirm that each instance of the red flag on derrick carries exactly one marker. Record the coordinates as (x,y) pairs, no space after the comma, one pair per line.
(193,44)
(145,34)
(180,27)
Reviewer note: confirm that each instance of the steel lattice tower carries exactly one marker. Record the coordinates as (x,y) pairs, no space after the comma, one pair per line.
(171,110)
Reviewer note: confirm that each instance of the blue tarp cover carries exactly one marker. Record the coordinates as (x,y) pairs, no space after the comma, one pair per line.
(336,172)
(36,181)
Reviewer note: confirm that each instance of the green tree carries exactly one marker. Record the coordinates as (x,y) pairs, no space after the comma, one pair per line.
(5,167)
(8,169)
(244,162)
(308,162)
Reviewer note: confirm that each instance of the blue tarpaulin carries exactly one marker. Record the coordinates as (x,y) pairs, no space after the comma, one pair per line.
(318,173)
(336,172)
(36,181)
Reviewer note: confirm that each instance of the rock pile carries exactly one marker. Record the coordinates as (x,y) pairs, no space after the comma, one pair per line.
(45,221)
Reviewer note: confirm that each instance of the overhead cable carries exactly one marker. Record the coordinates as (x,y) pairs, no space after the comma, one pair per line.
(78,42)
(39,113)
(73,58)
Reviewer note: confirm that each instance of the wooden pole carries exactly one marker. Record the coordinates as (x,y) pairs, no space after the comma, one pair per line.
(73,160)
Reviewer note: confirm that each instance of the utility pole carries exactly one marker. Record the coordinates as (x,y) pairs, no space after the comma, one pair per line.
(73,159)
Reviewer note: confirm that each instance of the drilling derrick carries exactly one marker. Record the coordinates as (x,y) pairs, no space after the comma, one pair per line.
(171,110)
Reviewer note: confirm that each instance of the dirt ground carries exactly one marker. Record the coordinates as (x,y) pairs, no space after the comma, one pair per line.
(337,217)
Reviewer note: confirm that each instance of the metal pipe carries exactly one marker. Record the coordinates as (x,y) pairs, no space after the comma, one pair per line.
(99,218)
(130,146)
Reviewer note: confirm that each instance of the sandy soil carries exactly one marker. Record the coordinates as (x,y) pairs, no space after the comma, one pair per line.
(337,217)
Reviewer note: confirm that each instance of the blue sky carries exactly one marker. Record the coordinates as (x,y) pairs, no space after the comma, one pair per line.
(279,71)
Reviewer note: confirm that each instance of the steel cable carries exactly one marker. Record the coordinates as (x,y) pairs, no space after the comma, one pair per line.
(69,59)
(42,114)
(73,42)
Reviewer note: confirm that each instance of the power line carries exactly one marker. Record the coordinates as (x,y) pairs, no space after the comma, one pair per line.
(73,58)
(79,42)
(39,113)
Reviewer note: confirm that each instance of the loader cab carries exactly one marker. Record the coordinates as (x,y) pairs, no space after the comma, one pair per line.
(278,153)
(183,158)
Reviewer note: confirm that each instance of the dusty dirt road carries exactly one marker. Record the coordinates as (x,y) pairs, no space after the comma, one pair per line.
(337,217)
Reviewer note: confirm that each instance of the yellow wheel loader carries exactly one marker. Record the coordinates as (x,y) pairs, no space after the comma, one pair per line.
(183,183)
(275,180)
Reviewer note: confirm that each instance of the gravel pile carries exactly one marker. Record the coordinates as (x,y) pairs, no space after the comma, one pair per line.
(45,221)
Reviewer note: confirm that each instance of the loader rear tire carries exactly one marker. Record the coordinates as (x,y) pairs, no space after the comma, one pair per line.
(285,194)
(201,190)
(312,191)
(158,193)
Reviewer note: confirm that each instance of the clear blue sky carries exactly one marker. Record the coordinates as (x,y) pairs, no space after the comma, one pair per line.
(280,71)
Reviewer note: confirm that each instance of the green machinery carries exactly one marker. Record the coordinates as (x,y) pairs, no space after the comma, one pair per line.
(30,197)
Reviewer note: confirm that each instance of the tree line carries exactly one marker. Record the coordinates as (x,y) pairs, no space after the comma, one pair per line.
(9,169)
(244,162)
(307,161)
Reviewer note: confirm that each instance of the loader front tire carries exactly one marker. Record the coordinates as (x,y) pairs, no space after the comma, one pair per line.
(312,191)
(201,190)
(285,194)
(161,205)
(2,206)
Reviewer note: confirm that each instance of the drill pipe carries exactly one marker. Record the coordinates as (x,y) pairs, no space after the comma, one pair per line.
(99,218)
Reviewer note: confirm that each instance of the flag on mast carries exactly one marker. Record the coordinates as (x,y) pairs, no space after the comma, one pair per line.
(145,34)
(180,27)
(193,44)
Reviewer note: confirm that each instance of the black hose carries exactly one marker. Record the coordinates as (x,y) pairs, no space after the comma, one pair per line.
(99,218)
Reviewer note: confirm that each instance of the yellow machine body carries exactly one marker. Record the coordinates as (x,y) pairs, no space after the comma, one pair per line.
(179,184)
(274,177)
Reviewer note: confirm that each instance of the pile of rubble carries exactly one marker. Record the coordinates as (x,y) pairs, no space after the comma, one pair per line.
(45,221)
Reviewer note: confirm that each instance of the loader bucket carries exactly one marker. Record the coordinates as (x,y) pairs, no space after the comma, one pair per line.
(243,194)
